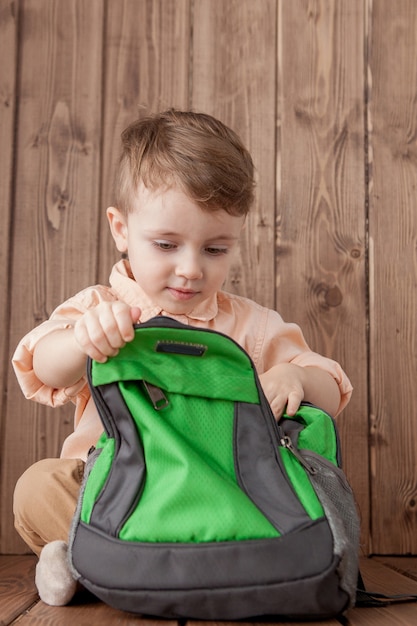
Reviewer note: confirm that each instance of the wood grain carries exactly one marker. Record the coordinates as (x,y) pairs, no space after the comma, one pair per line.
(403,564)
(281,622)
(321,237)
(56,199)
(8,50)
(393,267)
(17,586)
(383,579)
(90,612)
(234,78)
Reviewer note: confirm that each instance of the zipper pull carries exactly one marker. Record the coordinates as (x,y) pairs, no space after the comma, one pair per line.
(156,396)
(286,442)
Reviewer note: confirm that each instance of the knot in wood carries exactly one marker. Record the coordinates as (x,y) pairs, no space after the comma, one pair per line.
(333,296)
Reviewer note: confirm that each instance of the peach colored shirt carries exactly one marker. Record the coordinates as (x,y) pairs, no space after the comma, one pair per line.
(260,331)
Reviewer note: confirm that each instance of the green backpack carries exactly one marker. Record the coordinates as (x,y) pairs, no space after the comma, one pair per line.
(196,503)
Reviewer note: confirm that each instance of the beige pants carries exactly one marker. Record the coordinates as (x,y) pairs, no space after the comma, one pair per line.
(45,499)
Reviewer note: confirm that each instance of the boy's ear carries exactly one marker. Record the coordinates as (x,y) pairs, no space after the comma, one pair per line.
(118,228)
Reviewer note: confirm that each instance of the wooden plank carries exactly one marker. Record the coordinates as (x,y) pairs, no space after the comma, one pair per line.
(321,242)
(56,183)
(283,622)
(234,79)
(147,50)
(393,234)
(90,612)
(17,588)
(404,564)
(8,52)
(379,578)
(8,49)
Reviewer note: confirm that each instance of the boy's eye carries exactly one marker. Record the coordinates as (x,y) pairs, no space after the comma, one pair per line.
(164,245)
(215,250)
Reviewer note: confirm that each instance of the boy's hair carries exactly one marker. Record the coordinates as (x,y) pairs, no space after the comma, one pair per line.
(194,151)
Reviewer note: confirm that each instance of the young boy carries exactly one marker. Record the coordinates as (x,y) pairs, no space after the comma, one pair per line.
(184,186)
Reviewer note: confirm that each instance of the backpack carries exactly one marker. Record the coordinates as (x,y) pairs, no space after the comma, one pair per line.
(196,503)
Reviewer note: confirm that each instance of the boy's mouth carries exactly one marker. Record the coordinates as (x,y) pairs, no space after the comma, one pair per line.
(182,294)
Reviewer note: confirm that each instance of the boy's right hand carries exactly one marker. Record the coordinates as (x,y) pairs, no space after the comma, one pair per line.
(102,331)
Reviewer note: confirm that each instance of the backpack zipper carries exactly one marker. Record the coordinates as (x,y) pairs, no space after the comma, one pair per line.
(281,437)
(156,396)
(286,442)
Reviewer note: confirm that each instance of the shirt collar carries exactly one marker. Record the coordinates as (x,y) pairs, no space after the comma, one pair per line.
(128,290)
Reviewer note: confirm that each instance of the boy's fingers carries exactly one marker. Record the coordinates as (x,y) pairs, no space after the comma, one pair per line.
(135,314)
(293,403)
(116,323)
(106,329)
(87,346)
(278,406)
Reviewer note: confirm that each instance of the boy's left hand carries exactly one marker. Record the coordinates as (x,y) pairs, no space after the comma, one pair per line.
(284,388)
(286,385)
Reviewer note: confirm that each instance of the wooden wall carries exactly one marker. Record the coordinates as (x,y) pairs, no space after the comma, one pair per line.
(324,93)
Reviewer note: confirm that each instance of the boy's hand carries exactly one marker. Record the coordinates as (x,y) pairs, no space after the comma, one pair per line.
(102,331)
(286,385)
(283,386)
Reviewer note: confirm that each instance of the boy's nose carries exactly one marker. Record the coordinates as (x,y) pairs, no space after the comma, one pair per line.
(189,267)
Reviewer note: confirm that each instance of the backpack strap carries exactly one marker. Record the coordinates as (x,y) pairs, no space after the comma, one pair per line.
(366,599)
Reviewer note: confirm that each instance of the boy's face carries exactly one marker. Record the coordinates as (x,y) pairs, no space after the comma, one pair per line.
(179,254)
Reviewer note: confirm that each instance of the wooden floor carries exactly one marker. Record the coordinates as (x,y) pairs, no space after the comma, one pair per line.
(19,603)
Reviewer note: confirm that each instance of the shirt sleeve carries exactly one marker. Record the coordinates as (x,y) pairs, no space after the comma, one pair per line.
(285,342)
(62,318)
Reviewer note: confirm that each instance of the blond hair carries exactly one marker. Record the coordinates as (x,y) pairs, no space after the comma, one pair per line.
(193,151)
